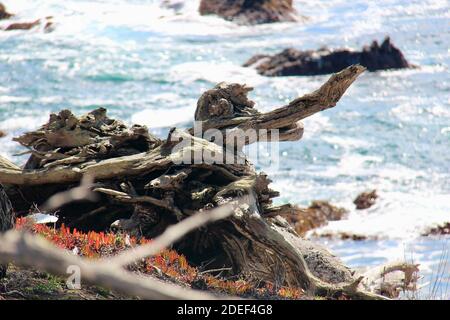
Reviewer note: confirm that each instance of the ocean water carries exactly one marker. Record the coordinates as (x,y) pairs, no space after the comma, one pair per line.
(148,65)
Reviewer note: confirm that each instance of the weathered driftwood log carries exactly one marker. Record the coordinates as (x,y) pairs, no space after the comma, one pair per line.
(250,11)
(159,183)
(392,279)
(293,62)
(6,219)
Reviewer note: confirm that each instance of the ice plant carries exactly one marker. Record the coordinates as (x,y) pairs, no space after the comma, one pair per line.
(168,263)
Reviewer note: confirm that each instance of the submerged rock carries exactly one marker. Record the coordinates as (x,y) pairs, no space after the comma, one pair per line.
(3,13)
(250,11)
(176,5)
(293,62)
(23,25)
(317,215)
(443,229)
(47,22)
(365,200)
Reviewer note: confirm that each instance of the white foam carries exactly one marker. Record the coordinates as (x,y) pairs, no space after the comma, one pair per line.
(214,72)
(25,122)
(396,215)
(160,118)
(11,99)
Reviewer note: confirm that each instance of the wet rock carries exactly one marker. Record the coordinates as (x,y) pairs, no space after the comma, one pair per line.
(344,236)
(2,134)
(176,5)
(250,11)
(365,200)
(46,22)
(3,13)
(439,230)
(23,25)
(293,62)
(317,215)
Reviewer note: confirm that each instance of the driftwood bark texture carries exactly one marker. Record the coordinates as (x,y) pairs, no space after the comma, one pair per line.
(146,185)
(6,219)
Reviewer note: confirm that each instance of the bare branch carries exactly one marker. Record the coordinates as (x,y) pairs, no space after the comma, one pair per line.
(32,251)
(82,192)
(172,234)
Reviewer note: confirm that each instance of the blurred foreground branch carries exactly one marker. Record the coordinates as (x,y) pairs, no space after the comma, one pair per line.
(32,251)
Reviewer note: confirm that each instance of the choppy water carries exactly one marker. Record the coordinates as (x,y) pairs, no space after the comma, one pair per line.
(149,65)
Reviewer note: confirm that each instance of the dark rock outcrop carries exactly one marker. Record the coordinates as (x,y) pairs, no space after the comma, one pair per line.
(316,215)
(3,13)
(250,11)
(47,22)
(175,5)
(2,134)
(23,25)
(292,62)
(443,229)
(365,200)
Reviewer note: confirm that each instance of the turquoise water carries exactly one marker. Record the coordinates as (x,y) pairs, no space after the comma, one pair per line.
(149,65)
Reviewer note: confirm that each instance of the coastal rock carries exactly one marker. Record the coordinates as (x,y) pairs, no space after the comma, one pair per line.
(293,62)
(316,215)
(176,5)
(443,229)
(46,22)
(3,13)
(2,134)
(392,279)
(23,25)
(250,11)
(365,200)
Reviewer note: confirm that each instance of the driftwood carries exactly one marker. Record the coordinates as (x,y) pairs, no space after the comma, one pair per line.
(392,279)
(6,219)
(146,185)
